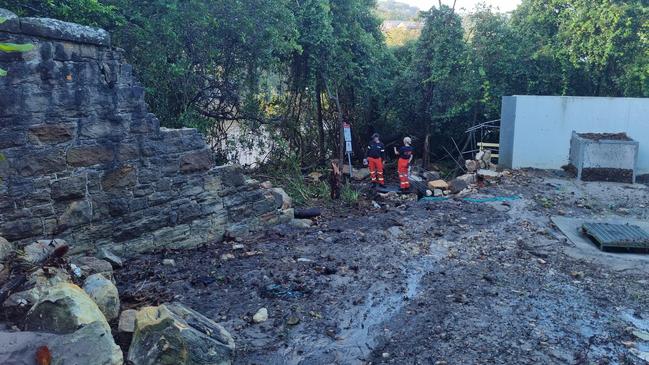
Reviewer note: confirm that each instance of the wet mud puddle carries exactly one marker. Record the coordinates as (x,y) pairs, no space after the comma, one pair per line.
(361,328)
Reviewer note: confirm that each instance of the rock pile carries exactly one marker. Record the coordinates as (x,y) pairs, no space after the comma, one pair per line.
(61,308)
(463,184)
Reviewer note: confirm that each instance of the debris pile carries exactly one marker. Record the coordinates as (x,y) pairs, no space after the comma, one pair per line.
(460,185)
(482,161)
(55,308)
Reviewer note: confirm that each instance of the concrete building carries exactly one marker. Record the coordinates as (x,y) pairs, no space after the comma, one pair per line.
(536,130)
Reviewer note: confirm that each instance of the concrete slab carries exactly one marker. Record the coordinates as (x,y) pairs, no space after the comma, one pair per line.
(585,249)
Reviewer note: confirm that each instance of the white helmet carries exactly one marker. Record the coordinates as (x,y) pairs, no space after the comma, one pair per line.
(407,140)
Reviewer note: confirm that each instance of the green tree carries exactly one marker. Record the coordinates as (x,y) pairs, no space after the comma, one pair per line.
(87,12)
(584,47)
(435,93)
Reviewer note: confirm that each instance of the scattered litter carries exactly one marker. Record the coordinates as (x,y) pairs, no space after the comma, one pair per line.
(227,256)
(76,270)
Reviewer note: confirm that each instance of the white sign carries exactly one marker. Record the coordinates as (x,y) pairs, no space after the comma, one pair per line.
(347,131)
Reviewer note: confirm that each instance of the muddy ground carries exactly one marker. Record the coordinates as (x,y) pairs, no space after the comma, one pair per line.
(428,282)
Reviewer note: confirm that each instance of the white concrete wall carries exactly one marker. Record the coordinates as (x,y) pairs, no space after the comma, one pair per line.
(535,130)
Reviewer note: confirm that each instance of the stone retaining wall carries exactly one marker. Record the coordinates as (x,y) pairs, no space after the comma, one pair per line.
(85,161)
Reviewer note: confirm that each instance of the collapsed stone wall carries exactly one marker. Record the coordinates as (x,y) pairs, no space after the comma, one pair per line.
(85,161)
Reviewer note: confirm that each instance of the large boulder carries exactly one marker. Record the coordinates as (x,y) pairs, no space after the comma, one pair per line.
(172,334)
(104,293)
(38,283)
(6,249)
(88,345)
(64,308)
(456,185)
(282,200)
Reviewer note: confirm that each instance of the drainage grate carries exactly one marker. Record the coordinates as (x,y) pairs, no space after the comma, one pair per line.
(617,236)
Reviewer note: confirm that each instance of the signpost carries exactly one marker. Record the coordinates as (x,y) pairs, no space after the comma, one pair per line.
(347,132)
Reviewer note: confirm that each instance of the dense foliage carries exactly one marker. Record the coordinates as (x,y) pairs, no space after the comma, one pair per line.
(292,70)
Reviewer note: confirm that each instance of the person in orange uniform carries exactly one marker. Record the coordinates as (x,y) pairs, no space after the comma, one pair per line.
(374,159)
(405,154)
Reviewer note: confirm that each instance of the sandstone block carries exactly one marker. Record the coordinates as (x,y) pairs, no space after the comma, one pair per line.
(174,334)
(38,162)
(196,161)
(282,200)
(69,188)
(6,249)
(89,155)
(89,345)
(127,321)
(77,213)
(119,178)
(438,184)
(63,309)
(104,293)
(21,228)
(51,133)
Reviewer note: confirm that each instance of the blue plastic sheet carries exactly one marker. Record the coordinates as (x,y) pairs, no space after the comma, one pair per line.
(474,200)
(492,199)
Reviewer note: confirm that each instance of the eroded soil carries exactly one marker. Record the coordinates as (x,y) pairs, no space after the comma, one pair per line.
(429,282)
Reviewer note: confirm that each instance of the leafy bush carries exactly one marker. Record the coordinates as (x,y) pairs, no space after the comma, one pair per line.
(286,173)
(349,194)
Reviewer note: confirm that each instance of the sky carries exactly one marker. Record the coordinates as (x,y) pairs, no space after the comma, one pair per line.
(503,5)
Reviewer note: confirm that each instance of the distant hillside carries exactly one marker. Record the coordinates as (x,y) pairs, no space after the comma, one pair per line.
(394,10)
(400,23)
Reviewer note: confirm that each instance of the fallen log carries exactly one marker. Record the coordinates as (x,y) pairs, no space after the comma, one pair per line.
(307,213)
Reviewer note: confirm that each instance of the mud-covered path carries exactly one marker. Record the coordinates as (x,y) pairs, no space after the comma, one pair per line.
(450,282)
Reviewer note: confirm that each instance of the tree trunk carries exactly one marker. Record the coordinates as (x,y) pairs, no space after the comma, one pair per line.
(341,122)
(321,132)
(426,157)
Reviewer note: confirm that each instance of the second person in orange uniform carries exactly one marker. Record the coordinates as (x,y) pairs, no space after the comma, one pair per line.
(405,154)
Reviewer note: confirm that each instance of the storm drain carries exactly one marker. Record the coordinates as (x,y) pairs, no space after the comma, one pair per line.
(612,237)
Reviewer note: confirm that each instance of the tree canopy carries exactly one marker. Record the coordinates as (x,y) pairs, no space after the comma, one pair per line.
(296,69)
